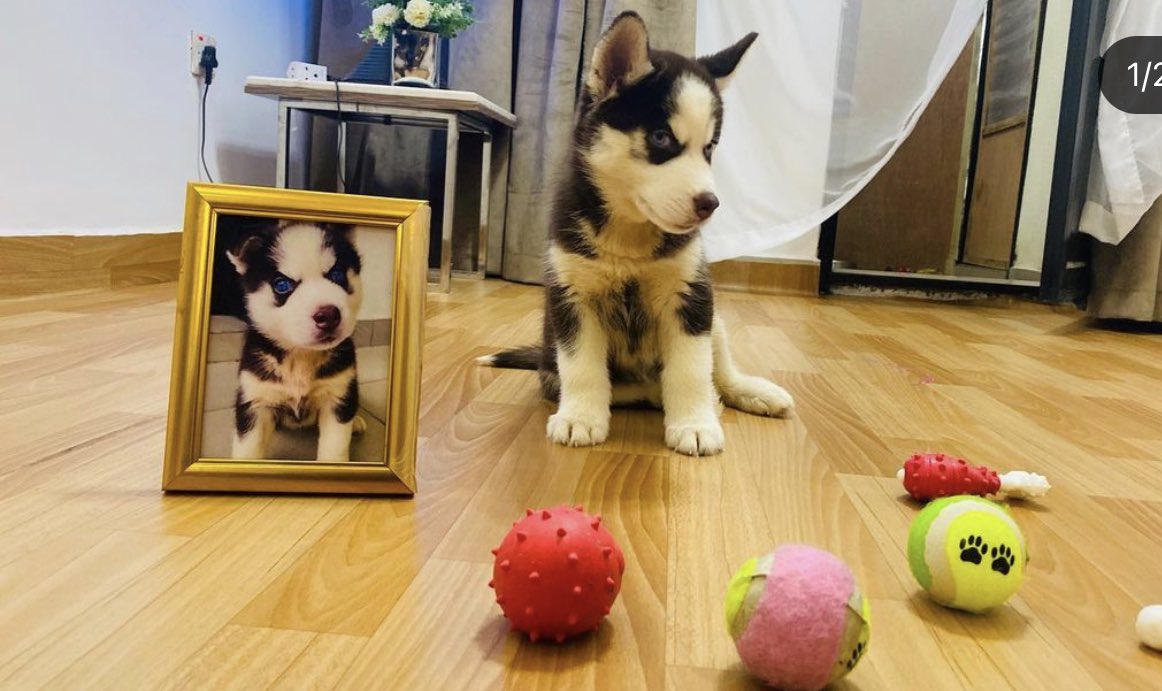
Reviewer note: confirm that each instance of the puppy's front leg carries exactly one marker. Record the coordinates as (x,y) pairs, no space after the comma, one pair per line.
(582,417)
(743,391)
(336,423)
(334,438)
(253,427)
(689,398)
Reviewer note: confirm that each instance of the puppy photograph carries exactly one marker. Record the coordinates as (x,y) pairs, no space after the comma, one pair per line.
(298,345)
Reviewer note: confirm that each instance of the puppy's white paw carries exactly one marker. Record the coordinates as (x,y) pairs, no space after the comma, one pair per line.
(703,438)
(331,453)
(571,429)
(758,396)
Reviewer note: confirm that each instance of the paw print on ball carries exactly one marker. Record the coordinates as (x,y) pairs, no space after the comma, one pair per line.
(973,549)
(855,655)
(1002,559)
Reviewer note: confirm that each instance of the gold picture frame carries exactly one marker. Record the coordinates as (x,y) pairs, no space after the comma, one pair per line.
(185,469)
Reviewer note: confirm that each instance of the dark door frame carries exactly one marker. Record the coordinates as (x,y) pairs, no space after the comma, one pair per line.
(1077,123)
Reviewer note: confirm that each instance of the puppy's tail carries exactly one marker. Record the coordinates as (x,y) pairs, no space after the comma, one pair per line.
(528,357)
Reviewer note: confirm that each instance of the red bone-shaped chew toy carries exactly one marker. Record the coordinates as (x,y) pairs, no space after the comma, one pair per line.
(930,476)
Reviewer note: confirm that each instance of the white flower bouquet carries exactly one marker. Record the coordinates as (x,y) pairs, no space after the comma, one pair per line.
(444,17)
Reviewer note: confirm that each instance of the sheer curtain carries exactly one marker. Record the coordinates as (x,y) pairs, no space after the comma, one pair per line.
(1122,209)
(827,95)
(1126,172)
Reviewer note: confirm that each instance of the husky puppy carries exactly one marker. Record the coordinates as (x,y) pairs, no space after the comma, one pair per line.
(302,292)
(629,310)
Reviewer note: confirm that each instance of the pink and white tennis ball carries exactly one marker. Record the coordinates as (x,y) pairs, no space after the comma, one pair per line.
(797,618)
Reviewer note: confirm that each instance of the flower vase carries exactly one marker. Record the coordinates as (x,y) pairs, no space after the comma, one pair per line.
(416,58)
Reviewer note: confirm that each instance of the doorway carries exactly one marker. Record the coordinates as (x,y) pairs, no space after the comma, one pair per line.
(948,203)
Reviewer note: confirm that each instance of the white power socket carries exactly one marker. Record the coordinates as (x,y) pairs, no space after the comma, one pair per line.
(306,71)
(198,41)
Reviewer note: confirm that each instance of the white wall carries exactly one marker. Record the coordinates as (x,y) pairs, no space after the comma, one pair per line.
(101,111)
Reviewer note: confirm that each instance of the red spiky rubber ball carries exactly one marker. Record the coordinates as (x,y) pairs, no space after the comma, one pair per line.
(557,573)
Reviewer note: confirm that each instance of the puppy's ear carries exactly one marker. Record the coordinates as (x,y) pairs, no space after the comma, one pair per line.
(722,64)
(621,57)
(345,229)
(238,255)
(239,265)
(341,238)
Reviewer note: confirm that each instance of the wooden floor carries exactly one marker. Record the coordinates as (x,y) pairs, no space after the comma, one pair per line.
(105,582)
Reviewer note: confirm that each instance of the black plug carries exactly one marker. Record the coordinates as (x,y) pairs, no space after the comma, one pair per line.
(208,62)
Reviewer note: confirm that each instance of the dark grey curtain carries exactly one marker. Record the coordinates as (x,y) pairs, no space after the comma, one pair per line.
(1127,277)
(527,55)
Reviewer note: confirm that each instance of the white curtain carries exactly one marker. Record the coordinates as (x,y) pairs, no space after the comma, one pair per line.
(1126,171)
(828,93)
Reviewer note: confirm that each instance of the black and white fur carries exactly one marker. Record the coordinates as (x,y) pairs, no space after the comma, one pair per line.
(629,310)
(302,292)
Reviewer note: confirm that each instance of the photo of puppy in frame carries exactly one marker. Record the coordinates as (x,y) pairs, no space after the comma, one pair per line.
(414,58)
(297,340)
(294,313)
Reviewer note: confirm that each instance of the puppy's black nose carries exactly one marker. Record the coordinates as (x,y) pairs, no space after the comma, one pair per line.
(705,204)
(326,317)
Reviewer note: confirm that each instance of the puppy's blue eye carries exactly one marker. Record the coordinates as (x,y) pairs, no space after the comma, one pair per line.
(337,275)
(662,139)
(282,285)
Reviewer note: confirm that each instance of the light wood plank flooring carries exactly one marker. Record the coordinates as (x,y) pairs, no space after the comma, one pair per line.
(106,583)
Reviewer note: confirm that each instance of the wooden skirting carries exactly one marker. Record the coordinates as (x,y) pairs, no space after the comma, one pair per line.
(35,265)
(771,277)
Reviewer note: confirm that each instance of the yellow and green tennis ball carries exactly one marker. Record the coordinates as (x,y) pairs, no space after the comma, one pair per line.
(797,617)
(967,552)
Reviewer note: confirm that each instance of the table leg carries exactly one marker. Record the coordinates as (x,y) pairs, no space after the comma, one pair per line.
(485,196)
(341,170)
(452,155)
(280,165)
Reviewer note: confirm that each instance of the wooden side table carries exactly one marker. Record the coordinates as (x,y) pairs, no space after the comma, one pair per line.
(452,111)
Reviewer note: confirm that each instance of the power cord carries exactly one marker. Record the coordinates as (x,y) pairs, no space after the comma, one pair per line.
(208,62)
(202,145)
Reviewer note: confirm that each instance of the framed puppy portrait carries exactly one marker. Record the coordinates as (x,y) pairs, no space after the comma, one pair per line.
(296,361)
